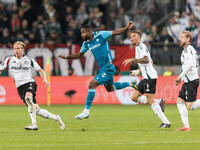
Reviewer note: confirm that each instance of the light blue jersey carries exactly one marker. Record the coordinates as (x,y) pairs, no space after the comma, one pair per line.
(99,48)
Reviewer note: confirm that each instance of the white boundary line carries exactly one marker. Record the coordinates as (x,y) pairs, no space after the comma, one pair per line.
(94,144)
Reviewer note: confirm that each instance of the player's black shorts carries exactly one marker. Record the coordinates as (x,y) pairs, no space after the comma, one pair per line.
(147,86)
(188,91)
(27,87)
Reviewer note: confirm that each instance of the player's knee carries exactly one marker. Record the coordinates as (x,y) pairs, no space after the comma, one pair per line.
(91,85)
(29,100)
(134,98)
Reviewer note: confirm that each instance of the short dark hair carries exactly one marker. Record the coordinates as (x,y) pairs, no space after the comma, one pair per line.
(86,26)
(138,32)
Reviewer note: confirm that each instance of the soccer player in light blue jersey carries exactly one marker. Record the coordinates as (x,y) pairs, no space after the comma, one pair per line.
(97,43)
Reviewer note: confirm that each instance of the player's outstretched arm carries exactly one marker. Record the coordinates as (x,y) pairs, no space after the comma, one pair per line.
(143,60)
(121,30)
(43,75)
(74,56)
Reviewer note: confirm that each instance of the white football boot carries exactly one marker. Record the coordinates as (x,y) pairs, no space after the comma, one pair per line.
(60,122)
(82,115)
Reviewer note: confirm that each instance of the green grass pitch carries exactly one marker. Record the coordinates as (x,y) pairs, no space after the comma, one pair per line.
(109,127)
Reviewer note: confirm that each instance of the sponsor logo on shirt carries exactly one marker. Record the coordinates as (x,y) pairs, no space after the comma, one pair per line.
(19,68)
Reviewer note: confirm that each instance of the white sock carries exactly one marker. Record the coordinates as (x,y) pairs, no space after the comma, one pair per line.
(184,113)
(31,109)
(157,100)
(44,113)
(32,113)
(156,108)
(142,99)
(86,110)
(196,104)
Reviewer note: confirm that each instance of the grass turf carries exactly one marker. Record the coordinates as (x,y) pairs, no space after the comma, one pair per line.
(109,127)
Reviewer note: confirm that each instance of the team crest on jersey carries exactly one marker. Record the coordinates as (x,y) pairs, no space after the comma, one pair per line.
(97,40)
(26,62)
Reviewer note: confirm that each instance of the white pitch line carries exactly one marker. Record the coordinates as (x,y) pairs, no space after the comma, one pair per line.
(94,144)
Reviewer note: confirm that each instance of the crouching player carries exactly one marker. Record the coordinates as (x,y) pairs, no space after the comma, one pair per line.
(19,67)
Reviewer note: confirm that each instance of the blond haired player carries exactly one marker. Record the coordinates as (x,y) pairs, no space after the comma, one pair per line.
(147,85)
(188,92)
(19,67)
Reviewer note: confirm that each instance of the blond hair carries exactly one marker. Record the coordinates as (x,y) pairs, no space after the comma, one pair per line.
(21,43)
(188,34)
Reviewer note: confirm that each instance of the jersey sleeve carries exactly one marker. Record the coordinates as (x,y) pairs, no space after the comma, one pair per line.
(106,34)
(35,65)
(84,48)
(4,64)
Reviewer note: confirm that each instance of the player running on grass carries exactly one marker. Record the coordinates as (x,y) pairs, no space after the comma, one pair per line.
(19,67)
(188,92)
(97,43)
(147,85)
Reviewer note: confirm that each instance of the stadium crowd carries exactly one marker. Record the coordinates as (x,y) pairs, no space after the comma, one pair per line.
(54,22)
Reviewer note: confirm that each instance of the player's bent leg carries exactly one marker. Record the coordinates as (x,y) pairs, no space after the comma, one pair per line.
(120,85)
(135,96)
(90,97)
(32,112)
(46,114)
(109,87)
(157,110)
(195,105)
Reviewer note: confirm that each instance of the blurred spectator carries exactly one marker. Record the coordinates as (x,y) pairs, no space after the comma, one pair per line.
(90,20)
(41,24)
(4,15)
(54,38)
(32,39)
(53,25)
(15,8)
(169,72)
(147,28)
(28,12)
(25,28)
(190,4)
(20,37)
(184,20)
(140,18)
(191,26)
(9,3)
(127,40)
(15,23)
(81,15)
(5,38)
(163,51)
(52,12)
(174,29)
(197,10)
(154,13)
(70,37)
(71,72)
(196,38)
